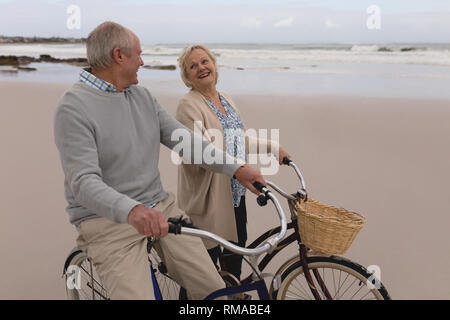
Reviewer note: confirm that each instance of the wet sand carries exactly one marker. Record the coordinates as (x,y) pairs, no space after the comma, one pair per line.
(385,158)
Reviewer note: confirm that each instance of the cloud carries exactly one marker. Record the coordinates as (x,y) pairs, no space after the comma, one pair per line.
(251,22)
(284,22)
(331,25)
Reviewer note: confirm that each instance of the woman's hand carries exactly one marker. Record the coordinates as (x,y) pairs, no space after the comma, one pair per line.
(247,175)
(282,154)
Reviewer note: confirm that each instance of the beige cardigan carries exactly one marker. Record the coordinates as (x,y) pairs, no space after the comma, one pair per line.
(203,194)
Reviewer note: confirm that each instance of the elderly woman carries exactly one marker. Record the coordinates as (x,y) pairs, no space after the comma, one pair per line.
(213,201)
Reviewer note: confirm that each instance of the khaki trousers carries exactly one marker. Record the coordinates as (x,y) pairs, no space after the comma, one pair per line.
(119,254)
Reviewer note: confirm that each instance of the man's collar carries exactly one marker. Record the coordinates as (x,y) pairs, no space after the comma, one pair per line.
(90,79)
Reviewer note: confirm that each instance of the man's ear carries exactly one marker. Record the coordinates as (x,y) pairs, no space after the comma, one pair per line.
(117,55)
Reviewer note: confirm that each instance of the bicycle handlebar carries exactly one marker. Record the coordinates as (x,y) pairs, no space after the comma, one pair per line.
(183,227)
(286,161)
(300,192)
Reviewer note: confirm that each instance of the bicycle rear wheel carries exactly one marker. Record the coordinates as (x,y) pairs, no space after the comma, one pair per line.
(168,287)
(82,281)
(342,278)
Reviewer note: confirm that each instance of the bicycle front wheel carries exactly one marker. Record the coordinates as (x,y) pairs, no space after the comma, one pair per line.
(334,278)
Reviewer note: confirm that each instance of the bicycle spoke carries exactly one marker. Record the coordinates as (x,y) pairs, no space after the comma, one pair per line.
(334,281)
(349,287)
(302,290)
(96,291)
(360,287)
(341,284)
(307,290)
(362,298)
(87,272)
(90,287)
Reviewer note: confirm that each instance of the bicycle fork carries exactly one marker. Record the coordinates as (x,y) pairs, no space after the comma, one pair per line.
(303,258)
(303,253)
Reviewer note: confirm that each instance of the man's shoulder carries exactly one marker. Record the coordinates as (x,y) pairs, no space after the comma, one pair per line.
(67,96)
(143,93)
(135,88)
(74,99)
(78,89)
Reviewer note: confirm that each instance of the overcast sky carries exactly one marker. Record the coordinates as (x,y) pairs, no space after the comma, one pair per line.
(233,21)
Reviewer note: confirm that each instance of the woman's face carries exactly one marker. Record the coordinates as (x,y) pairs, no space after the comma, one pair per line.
(201,70)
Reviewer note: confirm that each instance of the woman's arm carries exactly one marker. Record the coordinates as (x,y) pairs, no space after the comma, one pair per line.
(189,116)
(255,145)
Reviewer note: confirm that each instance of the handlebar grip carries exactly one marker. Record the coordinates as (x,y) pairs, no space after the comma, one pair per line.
(175,224)
(173,228)
(286,160)
(258,186)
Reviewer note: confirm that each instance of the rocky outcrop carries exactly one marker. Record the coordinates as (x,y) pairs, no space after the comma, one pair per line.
(4,39)
(12,64)
(20,61)
(161,67)
(25,60)
(75,61)
(16,60)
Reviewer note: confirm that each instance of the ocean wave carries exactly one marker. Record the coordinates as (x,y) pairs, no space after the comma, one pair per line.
(251,56)
(160,51)
(386,48)
(361,48)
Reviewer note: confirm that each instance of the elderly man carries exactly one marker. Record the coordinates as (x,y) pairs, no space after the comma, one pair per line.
(108,131)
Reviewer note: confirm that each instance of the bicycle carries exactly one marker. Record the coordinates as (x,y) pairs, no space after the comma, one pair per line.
(87,284)
(300,277)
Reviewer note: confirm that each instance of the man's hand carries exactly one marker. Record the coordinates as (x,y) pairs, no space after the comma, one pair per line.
(148,222)
(247,175)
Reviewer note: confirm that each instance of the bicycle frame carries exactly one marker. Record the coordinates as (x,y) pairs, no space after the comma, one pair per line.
(258,286)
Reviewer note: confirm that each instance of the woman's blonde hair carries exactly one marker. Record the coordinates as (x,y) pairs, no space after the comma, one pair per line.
(185,54)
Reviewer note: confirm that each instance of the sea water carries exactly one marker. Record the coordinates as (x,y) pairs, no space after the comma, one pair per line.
(392,70)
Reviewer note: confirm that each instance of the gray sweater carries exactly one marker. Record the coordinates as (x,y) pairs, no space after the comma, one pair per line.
(109,147)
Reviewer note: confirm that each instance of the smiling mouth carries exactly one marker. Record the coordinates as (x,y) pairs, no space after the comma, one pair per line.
(204,75)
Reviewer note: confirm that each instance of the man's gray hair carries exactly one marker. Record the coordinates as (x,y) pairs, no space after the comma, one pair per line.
(103,40)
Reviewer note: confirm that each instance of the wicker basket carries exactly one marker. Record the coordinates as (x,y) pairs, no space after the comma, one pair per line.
(326,229)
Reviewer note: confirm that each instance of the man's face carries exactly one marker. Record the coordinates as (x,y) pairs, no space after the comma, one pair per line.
(132,63)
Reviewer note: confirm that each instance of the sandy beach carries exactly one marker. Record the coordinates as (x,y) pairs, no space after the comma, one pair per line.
(386,158)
